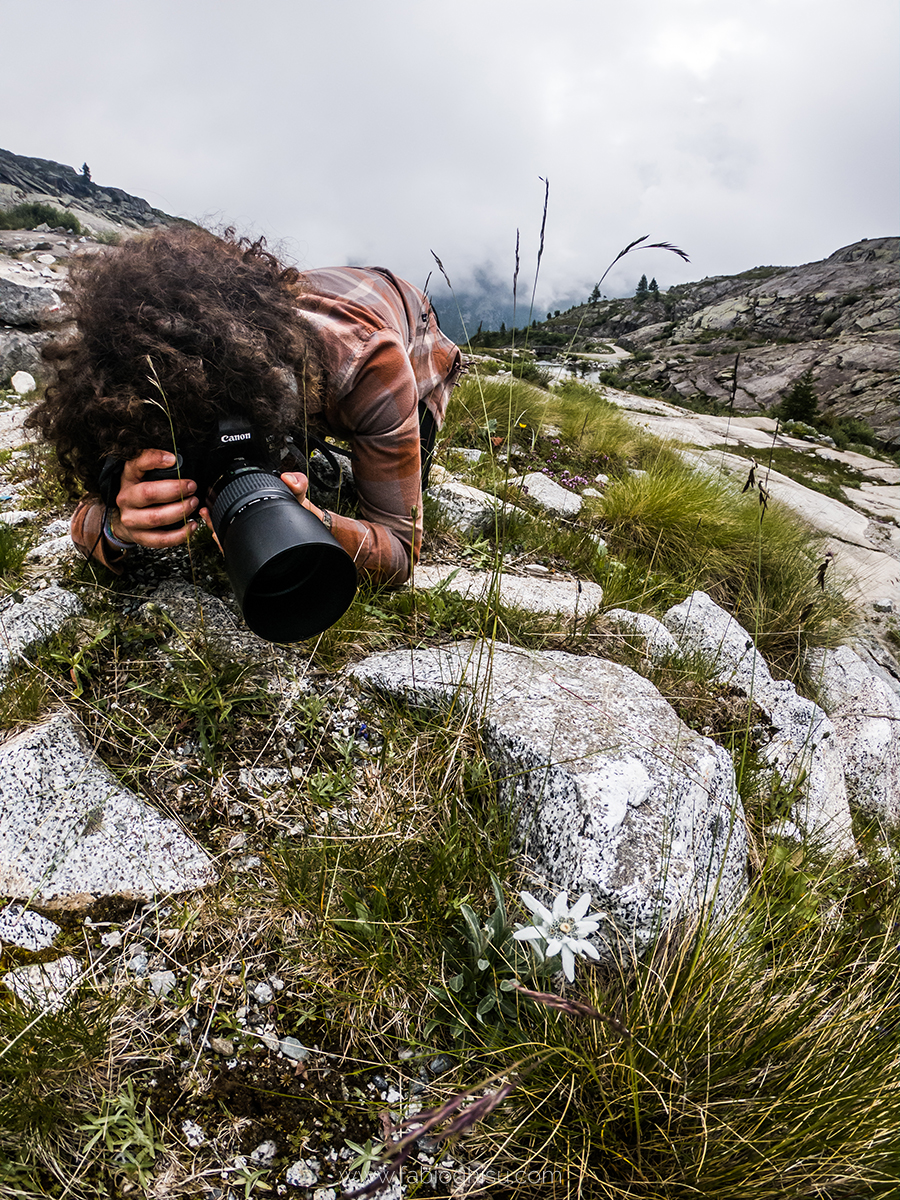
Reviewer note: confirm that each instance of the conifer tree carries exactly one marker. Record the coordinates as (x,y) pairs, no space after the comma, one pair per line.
(800,402)
(642,289)
(654,289)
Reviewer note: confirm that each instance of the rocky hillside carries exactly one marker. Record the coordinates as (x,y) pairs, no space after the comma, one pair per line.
(99,210)
(837,317)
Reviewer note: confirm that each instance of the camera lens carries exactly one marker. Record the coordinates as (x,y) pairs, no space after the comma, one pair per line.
(291,577)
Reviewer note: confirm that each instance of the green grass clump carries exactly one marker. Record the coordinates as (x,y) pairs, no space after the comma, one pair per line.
(32,213)
(760,1061)
(760,565)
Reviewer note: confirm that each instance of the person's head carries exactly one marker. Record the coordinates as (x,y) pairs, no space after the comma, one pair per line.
(174,330)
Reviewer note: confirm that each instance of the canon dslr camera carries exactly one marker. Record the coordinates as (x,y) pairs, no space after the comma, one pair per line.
(290,576)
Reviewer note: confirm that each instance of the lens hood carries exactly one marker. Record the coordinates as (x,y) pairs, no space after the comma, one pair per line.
(291,577)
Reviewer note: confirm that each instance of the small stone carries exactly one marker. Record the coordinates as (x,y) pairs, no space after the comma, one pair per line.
(21,927)
(883,605)
(537,569)
(161,982)
(292,1048)
(263,993)
(222,1046)
(303,1174)
(603,480)
(137,962)
(45,986)
(23,383)
(592,493)
(441,1064)
(193,1134)
(264,1153)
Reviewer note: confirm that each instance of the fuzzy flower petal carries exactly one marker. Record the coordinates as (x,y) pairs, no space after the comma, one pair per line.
(580,907)
(543,914)
(568,962)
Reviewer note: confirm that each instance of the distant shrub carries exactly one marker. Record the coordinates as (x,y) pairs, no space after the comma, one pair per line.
(32,213)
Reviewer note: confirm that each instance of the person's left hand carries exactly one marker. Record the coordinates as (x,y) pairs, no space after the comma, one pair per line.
(298,484)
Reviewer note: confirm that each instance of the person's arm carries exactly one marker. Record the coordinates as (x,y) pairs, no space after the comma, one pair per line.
(379,416)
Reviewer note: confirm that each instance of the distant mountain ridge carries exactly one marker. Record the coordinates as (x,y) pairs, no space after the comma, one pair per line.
(837,317)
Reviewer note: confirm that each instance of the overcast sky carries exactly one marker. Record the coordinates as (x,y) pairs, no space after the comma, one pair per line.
(748,132)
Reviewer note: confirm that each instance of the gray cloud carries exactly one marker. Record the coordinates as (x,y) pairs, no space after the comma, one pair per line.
(749,132)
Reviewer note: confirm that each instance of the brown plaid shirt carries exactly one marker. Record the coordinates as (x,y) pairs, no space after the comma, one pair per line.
(383,353)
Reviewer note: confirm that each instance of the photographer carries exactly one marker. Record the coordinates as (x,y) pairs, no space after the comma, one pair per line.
(180,328)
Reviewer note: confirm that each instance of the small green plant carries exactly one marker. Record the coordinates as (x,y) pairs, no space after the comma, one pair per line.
(489,962)
(127,1135)
(15,542)
(32,213)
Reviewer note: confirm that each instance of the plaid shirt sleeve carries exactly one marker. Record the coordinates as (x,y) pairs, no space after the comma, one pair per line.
(384,354)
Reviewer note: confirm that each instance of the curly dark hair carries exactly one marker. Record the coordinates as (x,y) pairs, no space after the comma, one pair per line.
(174,330)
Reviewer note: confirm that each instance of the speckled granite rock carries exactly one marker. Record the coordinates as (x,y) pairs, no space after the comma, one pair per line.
(660,643)
(613,793)
(24,622)
(548,494)
(466,508)
(569,597)
(804,747)
(866,715)
(69,832)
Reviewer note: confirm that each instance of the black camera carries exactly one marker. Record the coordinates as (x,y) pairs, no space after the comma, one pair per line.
(290,576)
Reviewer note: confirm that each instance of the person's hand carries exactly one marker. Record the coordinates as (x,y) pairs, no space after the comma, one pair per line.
(298,484)
(146,506)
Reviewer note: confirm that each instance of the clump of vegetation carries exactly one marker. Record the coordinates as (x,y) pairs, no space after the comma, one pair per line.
(32,213)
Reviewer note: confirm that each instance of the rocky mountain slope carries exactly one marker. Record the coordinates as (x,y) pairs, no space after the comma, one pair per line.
(98,209)
(837,317)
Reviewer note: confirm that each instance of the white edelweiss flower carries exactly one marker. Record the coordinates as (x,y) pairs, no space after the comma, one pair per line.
(563,929)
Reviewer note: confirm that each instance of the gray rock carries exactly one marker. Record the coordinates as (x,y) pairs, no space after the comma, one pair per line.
(21,927)
(466,508)
(472,456)
(291,1048)
(25,303)
(194,611)
(70,832)
(660,643)
(883,605)
(804,751)
(56,551)
(23,623)
(45,986)
(612,793)
(865,713)
(161,983)
(548,494)
(17,517)
(20,350)
(22,383)
(569,597)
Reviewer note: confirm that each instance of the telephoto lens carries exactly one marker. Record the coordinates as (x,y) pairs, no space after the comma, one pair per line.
(291,577)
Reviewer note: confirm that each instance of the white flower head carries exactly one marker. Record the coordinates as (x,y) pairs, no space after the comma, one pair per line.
(563,929)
